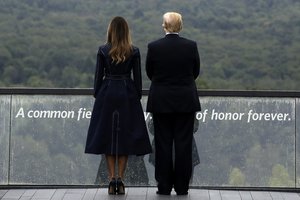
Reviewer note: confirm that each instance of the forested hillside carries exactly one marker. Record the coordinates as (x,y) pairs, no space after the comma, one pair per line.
(243,44)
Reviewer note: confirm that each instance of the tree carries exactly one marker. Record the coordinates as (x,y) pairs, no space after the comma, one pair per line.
(236,177)
(280,177)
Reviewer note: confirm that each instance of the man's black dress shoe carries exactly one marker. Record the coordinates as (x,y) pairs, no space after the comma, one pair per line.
(182,193)
(163,192)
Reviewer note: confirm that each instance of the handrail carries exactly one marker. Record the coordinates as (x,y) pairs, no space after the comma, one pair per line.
(89,91)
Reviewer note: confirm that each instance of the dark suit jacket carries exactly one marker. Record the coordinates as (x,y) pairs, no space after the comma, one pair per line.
(172,65)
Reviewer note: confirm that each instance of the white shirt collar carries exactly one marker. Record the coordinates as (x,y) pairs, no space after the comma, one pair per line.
(167,33)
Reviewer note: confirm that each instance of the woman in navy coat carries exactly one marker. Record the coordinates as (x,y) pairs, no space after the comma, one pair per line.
(117,126)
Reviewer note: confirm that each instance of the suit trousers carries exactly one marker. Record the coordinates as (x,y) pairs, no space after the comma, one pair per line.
(173,168)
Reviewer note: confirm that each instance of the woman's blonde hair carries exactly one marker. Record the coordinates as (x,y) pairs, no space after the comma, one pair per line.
(118,36)
(172,22)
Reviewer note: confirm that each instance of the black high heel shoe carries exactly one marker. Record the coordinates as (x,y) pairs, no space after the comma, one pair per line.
(112,189)
(120,186)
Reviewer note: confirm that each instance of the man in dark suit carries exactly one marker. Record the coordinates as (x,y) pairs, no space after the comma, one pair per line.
(172,65)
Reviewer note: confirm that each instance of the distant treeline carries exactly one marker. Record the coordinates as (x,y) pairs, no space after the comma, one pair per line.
(243,44)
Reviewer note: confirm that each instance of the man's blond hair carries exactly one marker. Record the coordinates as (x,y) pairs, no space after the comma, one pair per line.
(172,22)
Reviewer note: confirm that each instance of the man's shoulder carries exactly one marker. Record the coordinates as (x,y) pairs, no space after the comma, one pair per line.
(161,40)
(188,40)
(155,42)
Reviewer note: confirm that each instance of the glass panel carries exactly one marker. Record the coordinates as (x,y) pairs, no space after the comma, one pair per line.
(4,137)
(246,142)
(48,140)
(239,142)
(298,142)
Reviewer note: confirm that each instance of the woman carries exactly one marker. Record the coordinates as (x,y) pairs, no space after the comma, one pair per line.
(117,127)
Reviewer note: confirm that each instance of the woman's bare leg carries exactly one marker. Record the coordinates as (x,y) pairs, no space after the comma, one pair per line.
(122,163)
(111,164)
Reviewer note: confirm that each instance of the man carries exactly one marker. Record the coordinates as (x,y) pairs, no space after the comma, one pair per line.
(172,65)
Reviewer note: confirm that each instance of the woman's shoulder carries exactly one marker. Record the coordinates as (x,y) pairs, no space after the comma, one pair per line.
(135,50)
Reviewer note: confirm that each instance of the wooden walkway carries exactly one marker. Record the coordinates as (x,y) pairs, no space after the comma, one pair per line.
(140,193)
